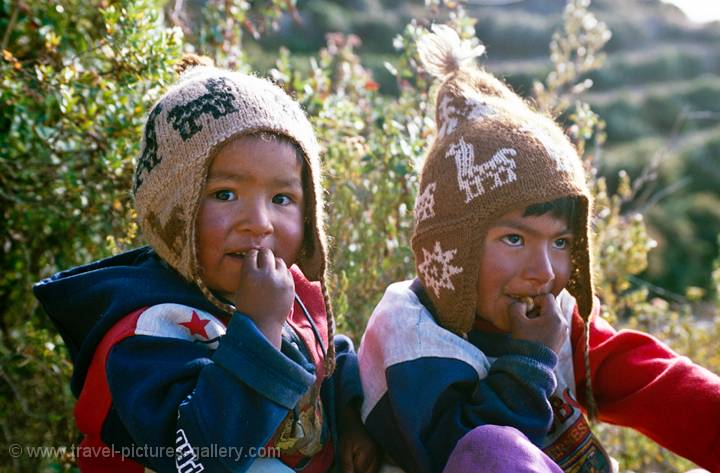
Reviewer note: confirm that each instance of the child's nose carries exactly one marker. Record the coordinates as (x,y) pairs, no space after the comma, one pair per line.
(539,269)
(257,219)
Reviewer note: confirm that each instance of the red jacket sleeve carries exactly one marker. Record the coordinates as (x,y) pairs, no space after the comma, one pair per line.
(640,382)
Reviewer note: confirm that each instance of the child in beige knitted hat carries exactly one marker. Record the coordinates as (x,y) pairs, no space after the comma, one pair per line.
(213,349)
(490,359)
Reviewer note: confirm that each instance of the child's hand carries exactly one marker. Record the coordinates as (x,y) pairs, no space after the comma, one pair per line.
(358,452)
(266,293)
(548,327)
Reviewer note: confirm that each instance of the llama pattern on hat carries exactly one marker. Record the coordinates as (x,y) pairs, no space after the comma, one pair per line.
(219,100)
(499,170)
(425,205)
(437,270)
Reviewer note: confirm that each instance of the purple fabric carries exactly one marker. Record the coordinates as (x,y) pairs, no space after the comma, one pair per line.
(497,449)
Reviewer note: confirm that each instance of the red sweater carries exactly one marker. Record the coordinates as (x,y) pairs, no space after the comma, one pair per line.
(641,383)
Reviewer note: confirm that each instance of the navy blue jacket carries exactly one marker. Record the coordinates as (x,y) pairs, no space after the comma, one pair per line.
(425,387)
(178,372)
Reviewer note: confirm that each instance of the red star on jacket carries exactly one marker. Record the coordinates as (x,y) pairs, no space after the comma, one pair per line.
(196,325)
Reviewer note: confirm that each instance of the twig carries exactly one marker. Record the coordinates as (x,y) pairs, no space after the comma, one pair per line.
(18,396)
(493,3)
(649,172)
(659,290)
(176,16)
(6,432)
(295,15)
(10,27)
(669,190)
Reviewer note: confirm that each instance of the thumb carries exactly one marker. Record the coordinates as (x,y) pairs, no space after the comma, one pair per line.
(516,314)
(547,303)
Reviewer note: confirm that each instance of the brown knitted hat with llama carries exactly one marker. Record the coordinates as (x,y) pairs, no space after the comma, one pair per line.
(492,154)
(204,110)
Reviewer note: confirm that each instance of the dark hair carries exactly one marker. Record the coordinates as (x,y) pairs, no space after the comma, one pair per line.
(563,208)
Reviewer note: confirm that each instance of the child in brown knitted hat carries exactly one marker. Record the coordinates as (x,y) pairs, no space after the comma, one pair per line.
(489,360)
(213,349)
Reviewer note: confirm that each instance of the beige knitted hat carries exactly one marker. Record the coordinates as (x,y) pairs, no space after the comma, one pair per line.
(202,111)
(206,108)
(492,154)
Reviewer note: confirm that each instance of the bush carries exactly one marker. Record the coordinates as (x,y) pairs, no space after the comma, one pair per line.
(74,98)
(77,80)
(624,122)
(680,202)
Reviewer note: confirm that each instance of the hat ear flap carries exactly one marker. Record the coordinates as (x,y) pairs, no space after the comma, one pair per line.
(581,284)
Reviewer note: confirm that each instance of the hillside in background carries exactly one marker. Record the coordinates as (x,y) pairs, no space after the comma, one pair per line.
(659,93)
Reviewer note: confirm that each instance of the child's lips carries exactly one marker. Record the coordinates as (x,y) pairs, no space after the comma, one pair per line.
(527,300)
(530,309)
(242,252)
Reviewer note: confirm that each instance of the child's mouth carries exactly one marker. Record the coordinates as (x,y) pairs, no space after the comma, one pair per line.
(241,253)
(531,310)
(532,313)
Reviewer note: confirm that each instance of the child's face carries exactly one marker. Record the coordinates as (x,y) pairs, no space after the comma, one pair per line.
(253,198)
(522,256)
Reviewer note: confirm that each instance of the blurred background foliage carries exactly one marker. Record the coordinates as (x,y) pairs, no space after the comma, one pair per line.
(635,83)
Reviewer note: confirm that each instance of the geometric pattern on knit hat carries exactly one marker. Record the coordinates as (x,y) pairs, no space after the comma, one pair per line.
(493,153)
(424,204)
(436,269)
(472,108)
(206,108)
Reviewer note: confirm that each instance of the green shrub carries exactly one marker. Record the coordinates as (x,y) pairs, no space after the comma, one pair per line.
(624,122)
(680,202)
(77,80)
(74,97)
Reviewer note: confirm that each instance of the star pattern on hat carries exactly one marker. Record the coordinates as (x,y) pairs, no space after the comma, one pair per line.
(196,325)
(425,204)
(499,170)
(558,151)
(437,270)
